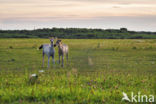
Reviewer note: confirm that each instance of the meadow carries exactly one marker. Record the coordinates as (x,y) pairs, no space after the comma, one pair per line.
(98,71)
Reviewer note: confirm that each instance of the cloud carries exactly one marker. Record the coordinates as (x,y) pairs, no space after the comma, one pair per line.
(138,23)
(116,6)
(64,11)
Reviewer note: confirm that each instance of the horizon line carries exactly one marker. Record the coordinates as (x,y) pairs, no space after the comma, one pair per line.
(77,28)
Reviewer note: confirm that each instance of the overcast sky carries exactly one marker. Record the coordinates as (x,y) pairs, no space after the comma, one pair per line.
(137,15)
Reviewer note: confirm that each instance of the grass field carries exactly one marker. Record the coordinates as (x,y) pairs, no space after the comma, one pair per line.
(98,71)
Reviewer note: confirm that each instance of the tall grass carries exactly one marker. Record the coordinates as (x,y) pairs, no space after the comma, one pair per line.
(98,71)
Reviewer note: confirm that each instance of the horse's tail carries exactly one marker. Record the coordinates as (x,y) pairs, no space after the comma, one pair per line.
(41,47)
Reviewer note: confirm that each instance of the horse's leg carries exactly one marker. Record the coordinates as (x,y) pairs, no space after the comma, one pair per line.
(48,60)
(67,56)
(59,59)
(43,60)
(53,59)
(62,60)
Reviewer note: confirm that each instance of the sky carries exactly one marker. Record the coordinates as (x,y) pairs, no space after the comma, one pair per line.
(138,15)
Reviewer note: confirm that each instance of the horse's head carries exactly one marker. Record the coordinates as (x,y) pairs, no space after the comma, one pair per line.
(58,42)
(52,41)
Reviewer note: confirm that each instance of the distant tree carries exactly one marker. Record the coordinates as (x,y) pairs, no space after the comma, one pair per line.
(78,33)
(123,29)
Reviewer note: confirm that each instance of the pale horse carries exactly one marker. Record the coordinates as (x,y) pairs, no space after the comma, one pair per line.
(49,50)
(62,50)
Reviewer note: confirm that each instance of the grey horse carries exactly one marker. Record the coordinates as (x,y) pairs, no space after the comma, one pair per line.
(49,50)
(62,50)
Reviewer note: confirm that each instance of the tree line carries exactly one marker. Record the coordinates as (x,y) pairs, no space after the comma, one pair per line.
(78,33)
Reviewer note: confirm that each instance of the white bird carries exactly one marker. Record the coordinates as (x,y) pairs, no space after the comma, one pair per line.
(125,97)
(33,78)
(33,75)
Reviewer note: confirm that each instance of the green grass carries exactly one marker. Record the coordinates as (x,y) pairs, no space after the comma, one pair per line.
(98,71)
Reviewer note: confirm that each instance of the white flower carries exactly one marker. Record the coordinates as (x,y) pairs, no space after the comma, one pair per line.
(41,71)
